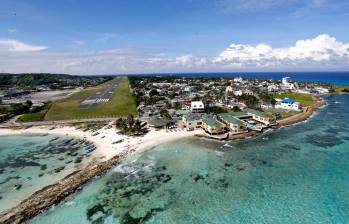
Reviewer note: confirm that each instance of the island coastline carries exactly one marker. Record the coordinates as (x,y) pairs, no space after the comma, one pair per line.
(56,193)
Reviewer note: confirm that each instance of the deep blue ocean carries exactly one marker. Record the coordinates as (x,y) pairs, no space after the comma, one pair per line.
(338,78)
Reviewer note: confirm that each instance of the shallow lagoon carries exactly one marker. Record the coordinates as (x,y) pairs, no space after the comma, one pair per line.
(31,162)
(297,174)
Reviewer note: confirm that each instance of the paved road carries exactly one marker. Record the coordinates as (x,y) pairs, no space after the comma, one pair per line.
(41,123)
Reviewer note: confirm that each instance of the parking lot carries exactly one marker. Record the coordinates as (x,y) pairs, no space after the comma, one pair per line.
(103,95)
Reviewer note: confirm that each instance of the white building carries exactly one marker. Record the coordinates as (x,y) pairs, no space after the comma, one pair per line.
(192,121)
(287,84)
(321,90)
(228,89)
(248,92)
(287,104)
(197,107)
(238,92)
(238,79)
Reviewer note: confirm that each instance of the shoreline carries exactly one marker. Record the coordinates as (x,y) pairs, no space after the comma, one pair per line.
(54,194)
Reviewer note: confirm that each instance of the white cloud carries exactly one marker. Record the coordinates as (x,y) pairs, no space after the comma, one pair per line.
(12,31)
(104,37)
(79,42)
(190,61)
(18,46)
(319,51)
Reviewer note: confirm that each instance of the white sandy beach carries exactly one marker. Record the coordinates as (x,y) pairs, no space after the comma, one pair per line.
(106,137)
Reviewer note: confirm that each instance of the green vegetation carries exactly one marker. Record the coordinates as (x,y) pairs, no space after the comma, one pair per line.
(8,112)
(303,98)
(93,126)
(130,126)
(35,114)
(215,110)
(250,101)
(121,105)
(54,81)
(339,89)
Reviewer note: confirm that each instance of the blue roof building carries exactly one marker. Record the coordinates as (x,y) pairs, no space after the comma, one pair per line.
(287,100)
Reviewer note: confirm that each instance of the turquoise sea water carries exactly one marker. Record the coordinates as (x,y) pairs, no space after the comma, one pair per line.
(31,162)
(297,174)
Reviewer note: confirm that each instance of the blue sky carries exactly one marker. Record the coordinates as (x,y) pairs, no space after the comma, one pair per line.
(130,36)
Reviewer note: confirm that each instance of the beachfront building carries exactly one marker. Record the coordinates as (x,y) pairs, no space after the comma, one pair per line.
(287,104)
(260,116)
(192,121)
(157,122)
(197,107)
(232,123)
(211,125)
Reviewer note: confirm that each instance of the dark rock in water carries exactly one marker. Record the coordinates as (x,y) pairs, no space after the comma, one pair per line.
(69,161)
(17,186)
(94,210)
(59,169)
(227,164)
(0,197)
(43,167)
(323,141)
(78,160)
(61,158)
(74,154)
(10,178)
(41,174)
(345,138)
(54,139)
(291,147)
(29,178)
(128,219)
(198,177)
(240,168)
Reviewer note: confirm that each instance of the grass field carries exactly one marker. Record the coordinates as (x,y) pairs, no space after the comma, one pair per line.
(121,104)
(304,99)
(37,116)
(341,89)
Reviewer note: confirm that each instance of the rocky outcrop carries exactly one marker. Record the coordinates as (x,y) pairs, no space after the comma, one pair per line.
(54,194)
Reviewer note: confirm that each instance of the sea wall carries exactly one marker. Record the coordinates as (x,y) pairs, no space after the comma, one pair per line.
(307,112)
(55,193)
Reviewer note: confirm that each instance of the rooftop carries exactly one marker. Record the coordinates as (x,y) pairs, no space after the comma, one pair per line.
(229,118)
(157,121)
(287,100)
(212,121)
(259,113)
(192,117)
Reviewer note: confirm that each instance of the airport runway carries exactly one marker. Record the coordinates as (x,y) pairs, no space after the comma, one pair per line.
(103,95)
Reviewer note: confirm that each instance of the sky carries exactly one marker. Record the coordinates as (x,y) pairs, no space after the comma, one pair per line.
(154,36)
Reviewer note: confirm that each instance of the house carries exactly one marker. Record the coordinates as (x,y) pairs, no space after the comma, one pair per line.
(233,124)
(248,92)
(157,122)
(321,90)
(212,126)
(228,89)
(266,106)
(238,92)
(287,104)
(192,121)
(197,107)
(260,116)
(286,83)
